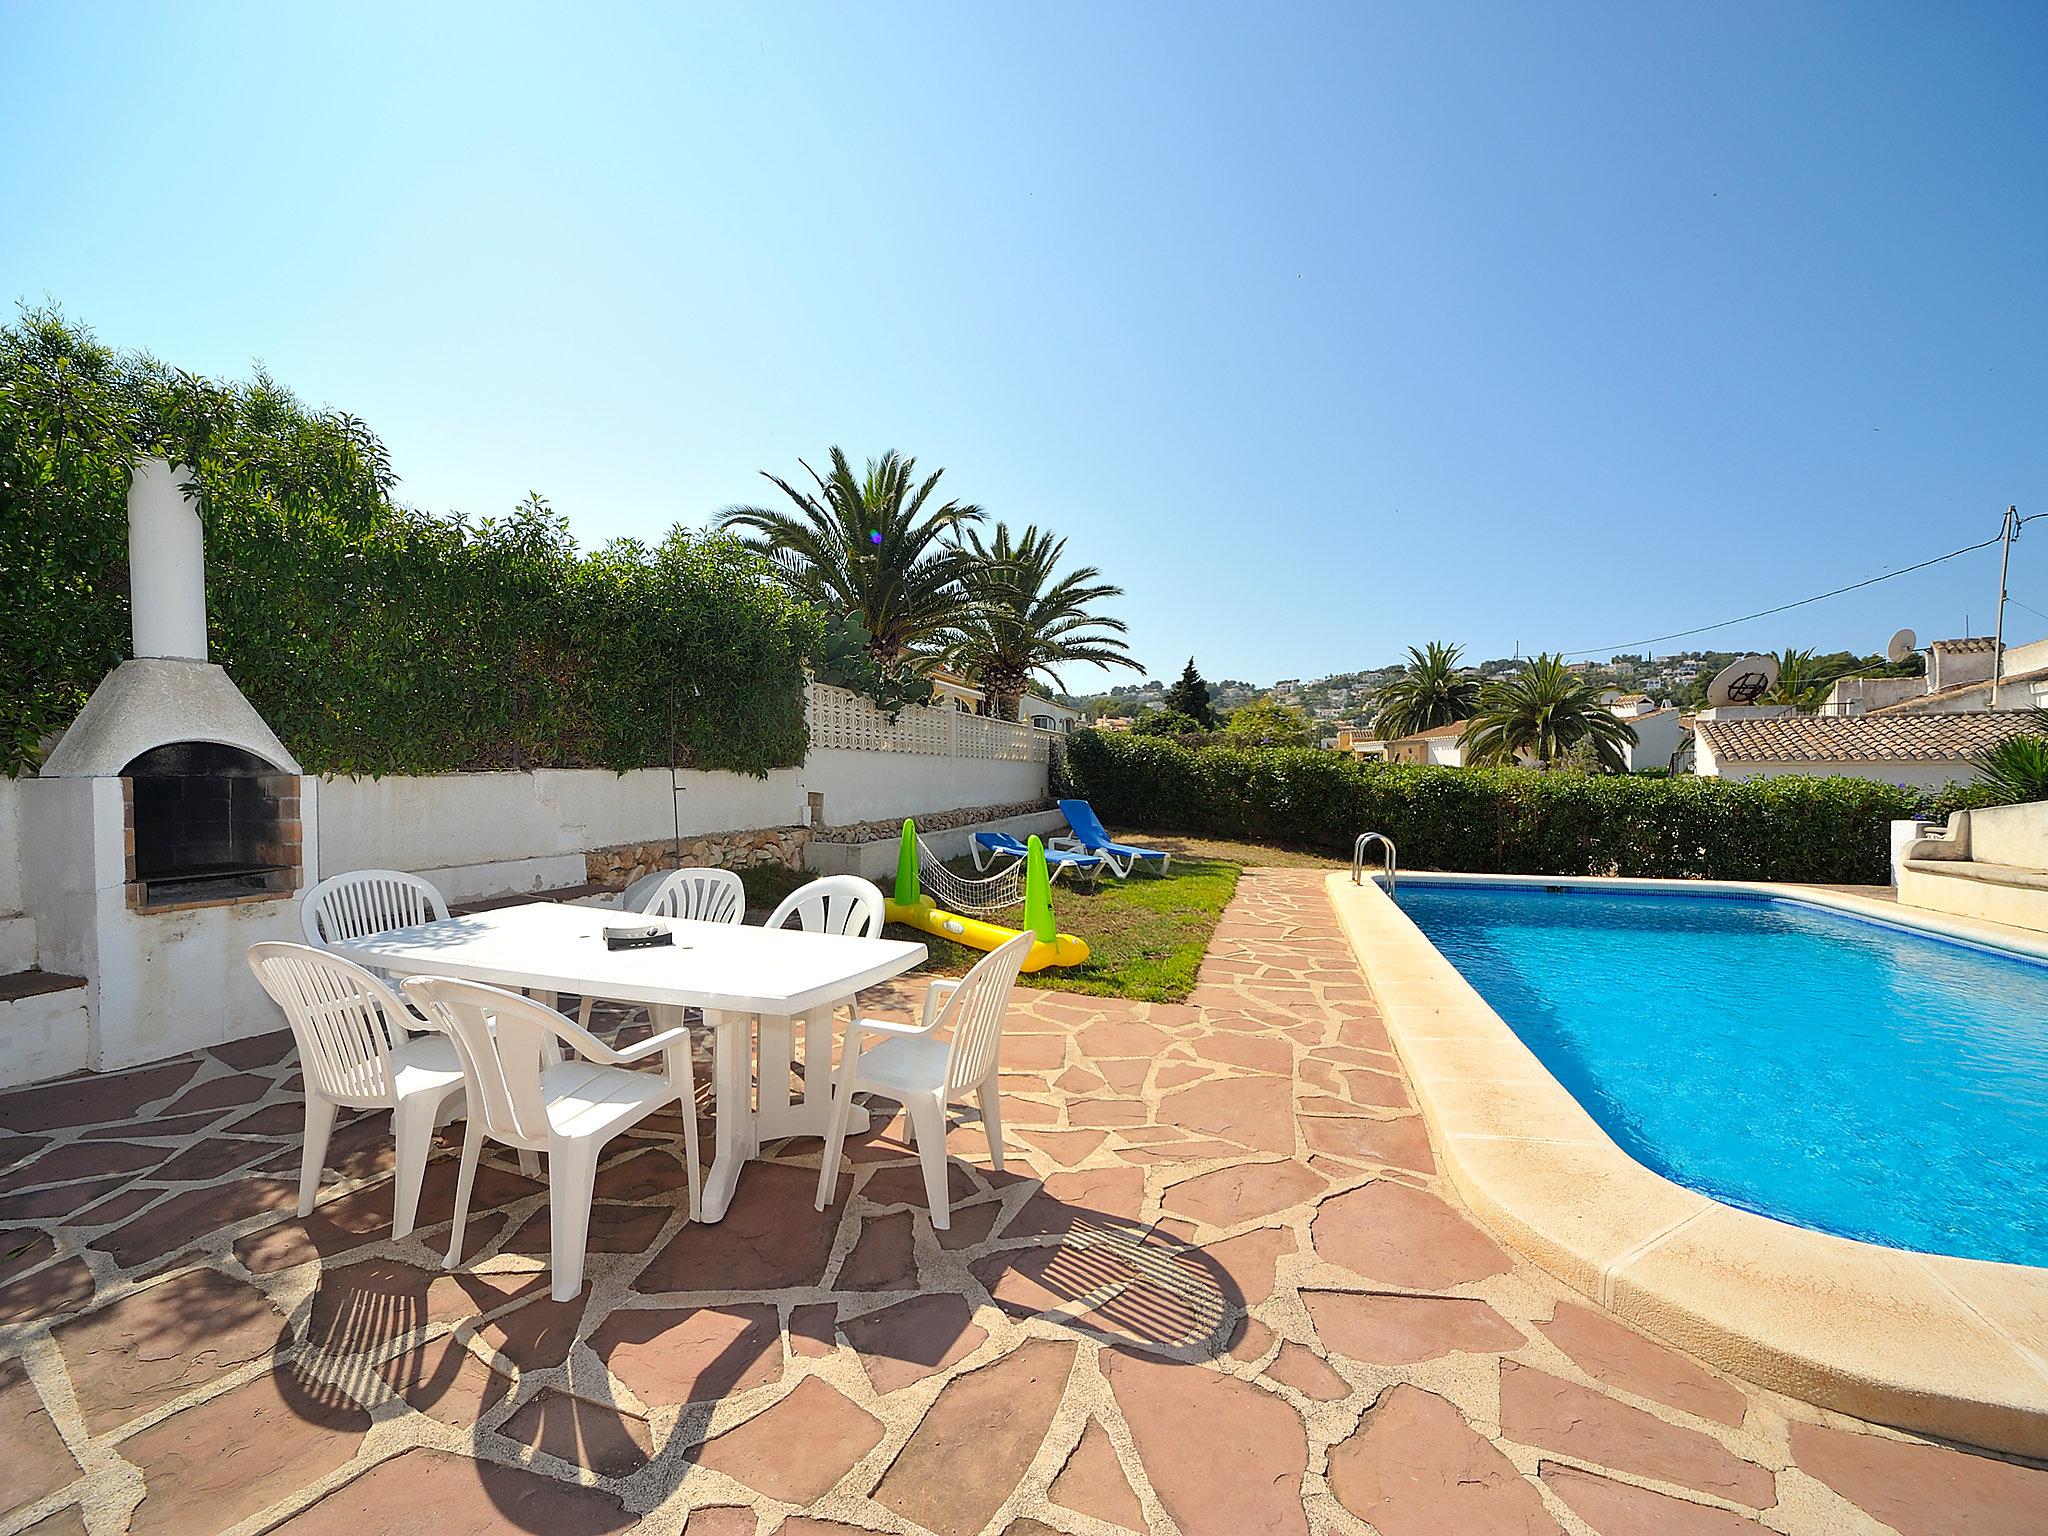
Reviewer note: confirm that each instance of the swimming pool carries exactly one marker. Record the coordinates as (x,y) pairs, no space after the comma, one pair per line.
(1851,1076)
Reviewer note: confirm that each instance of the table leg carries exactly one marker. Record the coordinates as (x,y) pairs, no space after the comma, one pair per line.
(783,1114)
(736,1140)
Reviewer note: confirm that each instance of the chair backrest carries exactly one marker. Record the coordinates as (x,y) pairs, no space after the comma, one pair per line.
(503,1039)
(366,901)
(835,904)
(974,1013)
(341,1016)
(708,895)
(1002,842)
(1086,824)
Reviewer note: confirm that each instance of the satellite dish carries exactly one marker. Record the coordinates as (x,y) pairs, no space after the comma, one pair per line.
(1901,645)
(1743,681)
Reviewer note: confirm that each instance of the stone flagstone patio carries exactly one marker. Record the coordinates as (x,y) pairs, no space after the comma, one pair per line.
(1219,1289)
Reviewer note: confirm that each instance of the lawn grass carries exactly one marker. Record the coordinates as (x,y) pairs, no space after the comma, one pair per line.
(1146,935)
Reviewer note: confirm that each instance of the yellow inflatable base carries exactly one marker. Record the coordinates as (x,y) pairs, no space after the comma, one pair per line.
(1064,950)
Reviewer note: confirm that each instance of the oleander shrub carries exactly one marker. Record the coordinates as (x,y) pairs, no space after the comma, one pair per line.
(375,638)
(1502,820)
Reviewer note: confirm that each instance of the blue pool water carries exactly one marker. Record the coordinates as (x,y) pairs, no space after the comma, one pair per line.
(1850,1076)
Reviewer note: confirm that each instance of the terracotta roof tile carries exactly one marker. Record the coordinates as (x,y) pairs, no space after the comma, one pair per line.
(1871,738)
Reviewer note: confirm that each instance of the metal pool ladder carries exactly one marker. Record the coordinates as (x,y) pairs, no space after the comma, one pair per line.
(1366,840)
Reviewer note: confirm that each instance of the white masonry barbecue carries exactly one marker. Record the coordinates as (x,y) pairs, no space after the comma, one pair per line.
(168,829)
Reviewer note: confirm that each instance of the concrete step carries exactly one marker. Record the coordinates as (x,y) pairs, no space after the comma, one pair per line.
(45,1022)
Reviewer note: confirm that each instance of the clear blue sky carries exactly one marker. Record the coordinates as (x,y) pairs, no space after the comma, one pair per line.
(1322,330)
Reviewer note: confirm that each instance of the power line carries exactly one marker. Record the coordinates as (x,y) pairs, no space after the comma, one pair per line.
(2037,613)
(1765,613)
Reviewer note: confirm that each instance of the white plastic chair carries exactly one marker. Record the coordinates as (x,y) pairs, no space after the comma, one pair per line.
(951,1051)
(708,895)
(354,1050)
(526,1094)
(367,901)
(834,904)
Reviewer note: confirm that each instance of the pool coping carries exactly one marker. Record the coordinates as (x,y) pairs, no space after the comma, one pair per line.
(1942,1346)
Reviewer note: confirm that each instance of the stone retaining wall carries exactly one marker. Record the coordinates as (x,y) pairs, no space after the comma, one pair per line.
(621,865)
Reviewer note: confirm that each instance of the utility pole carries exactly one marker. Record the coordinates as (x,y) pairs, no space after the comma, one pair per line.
(2008,530)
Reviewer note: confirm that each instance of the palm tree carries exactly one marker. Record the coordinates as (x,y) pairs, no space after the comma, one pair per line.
(1024,620)
(866,546)
(1431,692)
(1803,681)
(2016,769)
(1544,711)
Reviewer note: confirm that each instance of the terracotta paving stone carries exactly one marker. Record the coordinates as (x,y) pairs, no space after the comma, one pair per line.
(1617,1356)
(613,1229)
(904,1185)
(1405,1236)
(229,1092)
(1223,1456)
(254,1050)
(17,1149)
(732,1520)
(164,1341)
(536,1334)
(116,1209)
(798,1449)
(1252,1192)
(1414,1467)
(974,1443)
(1080,1200)
(1384,1329)
(430,1493)
(650,1174)
(80,1160)
(1254,1052)
(28,1292)
(93,1099)
(1924,1490)
(971,1226)
(771,1238)
(1250,1340)
(1540,1410)
(1064,1146)
(56,1202)
(1248,1261)
(1032,1053)
(369,1305)
(1255,1112)
(913,1339)
(223,1460)
(671,1355)
(271,1120)
(1615,1508)
(1302,1369)
(37,1462)
(210,1159)
(170,1226)
(445,1381)
(605,1439)
(1401,1143)
(1125,1077)
(1093,1484)
(1177,1074)
(811,1329)
(883,1257)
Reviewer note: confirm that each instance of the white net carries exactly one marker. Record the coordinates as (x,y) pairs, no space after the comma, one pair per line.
(976,896)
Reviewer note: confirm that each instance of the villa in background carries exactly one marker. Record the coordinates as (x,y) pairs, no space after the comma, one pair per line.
(1925,749)
(1360,744)
(1035,711)
(1958,681)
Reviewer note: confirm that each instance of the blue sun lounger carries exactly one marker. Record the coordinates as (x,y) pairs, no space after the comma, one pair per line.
(988,846)
(1090,836)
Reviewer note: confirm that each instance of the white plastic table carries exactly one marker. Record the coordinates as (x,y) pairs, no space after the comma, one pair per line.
(735,974)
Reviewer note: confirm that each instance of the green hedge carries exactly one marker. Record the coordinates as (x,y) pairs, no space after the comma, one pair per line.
(1500,820)
(374,638)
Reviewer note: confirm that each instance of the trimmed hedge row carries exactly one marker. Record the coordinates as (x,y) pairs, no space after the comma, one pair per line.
(374,638)
(1500,820)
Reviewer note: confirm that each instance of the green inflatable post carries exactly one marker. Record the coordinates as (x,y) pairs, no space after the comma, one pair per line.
(1038,895)
(907,894)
